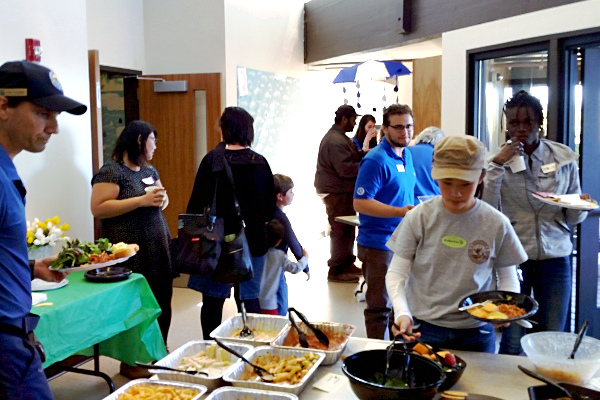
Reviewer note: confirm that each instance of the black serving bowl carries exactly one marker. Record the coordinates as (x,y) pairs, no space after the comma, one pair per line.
(454,374)
(363,367)
(498,296)
(547,392)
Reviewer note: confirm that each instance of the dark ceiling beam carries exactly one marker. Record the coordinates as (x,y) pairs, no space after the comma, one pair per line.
(334,28)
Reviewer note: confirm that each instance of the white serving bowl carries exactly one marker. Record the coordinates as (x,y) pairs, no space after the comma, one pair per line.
(549,352)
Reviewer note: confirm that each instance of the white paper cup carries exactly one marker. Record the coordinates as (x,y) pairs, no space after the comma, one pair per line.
(517,164)
(151,188)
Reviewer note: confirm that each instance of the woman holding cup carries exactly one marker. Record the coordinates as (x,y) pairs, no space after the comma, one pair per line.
(536,165)
(128,196)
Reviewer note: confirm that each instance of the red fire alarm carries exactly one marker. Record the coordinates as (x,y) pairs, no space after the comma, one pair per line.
(33,50)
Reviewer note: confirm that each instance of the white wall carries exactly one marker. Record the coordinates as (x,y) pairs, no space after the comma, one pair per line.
(57,180)
(263,34)
(184,36)
(116,29)
(455,44)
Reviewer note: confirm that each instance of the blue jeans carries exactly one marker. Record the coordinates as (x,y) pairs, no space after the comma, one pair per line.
(549,281)
(379,309)
(474,339)
(282,295)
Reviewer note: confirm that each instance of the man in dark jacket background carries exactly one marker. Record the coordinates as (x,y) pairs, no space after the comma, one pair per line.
(337,168)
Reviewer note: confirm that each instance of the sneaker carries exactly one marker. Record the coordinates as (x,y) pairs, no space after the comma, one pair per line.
(353,269)
(133,372)
(344,277)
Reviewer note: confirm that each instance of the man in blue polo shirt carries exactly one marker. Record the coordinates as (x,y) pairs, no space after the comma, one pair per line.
(383,194)
(30,100)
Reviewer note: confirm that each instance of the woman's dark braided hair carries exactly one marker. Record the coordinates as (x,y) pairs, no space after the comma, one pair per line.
(524,99)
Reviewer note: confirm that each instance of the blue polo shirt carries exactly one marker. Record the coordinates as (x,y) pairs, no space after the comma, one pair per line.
(389,179)
(15,274)
(422,154)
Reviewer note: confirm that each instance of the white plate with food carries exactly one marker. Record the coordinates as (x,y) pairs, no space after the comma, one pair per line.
(39,285)
(573,201)
(87,267)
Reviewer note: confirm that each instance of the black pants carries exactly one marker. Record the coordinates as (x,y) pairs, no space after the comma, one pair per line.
(342,235)
(162,289)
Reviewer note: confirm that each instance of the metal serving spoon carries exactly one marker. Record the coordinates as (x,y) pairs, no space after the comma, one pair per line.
(152,366)
(245,332)
(262,373)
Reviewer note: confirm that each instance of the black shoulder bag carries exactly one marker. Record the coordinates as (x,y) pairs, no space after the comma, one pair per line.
(235,263)
(197,248)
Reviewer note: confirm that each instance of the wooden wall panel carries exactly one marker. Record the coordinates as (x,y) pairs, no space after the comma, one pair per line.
(173,116)
(427,93)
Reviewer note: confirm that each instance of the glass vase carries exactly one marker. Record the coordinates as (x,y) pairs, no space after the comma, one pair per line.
(39,252)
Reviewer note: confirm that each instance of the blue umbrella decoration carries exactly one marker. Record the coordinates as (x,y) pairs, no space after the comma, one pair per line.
(372,70)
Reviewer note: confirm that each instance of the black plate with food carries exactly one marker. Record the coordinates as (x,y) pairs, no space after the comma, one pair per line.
(499,297)
(108,274)
(546,392)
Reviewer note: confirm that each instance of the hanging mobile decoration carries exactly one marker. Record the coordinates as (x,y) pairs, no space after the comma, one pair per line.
(344,91)
(396,90)
(358,94)
(384,98)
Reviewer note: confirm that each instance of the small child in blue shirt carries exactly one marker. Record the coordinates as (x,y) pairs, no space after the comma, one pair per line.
(284,195)
(276,263)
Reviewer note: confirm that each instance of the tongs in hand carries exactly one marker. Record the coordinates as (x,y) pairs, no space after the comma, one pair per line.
(321,336)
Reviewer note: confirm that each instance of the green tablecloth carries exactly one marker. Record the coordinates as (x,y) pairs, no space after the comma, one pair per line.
(119,316)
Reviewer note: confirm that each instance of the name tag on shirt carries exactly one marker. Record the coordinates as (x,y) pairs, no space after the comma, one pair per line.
(400,167)
(549,168)
(148,181)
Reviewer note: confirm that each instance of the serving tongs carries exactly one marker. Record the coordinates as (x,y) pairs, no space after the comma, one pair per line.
(301,335)
(245,333)
(321,336)
(405,373)
(262,373)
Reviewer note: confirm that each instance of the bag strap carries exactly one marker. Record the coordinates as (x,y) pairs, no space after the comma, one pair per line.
(238,210)
(220,163)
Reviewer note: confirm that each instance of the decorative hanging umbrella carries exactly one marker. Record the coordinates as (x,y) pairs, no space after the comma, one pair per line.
(373,70)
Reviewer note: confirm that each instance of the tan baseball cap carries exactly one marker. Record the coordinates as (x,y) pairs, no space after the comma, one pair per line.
(459,157)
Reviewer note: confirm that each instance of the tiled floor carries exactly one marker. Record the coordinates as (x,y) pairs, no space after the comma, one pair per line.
(316,298)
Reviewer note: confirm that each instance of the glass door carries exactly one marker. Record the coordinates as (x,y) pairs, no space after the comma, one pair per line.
(582,109)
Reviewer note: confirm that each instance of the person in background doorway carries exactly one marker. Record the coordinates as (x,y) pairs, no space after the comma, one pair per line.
(544,230)
(276,264)
(284,195)
(337,168)
(366,134)
(31,98)
(254,189)
(448,248)
(422,153)
(384,192)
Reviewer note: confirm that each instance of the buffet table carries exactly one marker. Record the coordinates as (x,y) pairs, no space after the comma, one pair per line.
(118,318)
(486,374)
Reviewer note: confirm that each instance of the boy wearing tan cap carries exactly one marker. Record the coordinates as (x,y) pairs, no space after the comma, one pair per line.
(448,248)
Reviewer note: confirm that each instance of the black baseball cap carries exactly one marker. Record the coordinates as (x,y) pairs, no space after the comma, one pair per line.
(346,111)
(37,84)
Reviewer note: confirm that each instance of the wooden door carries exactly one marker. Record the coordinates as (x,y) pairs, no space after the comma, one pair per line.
(174,115)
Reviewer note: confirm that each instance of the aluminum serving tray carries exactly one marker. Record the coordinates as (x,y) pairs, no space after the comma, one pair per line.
(234,374)
(237,393)
(329,328)
(173,360)
(254,321)
(115,395)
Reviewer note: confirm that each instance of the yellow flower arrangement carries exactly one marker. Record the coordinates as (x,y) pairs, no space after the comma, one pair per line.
(46,233)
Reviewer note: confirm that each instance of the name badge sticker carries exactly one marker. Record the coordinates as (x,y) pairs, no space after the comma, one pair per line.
(400,167)
(148,181)
(455,242)
(549,168)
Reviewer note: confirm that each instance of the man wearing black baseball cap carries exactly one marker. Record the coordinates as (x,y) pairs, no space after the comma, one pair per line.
(337,168)
(30,100)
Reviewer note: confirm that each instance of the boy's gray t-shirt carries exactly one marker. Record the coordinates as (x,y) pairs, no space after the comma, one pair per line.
(454,255)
